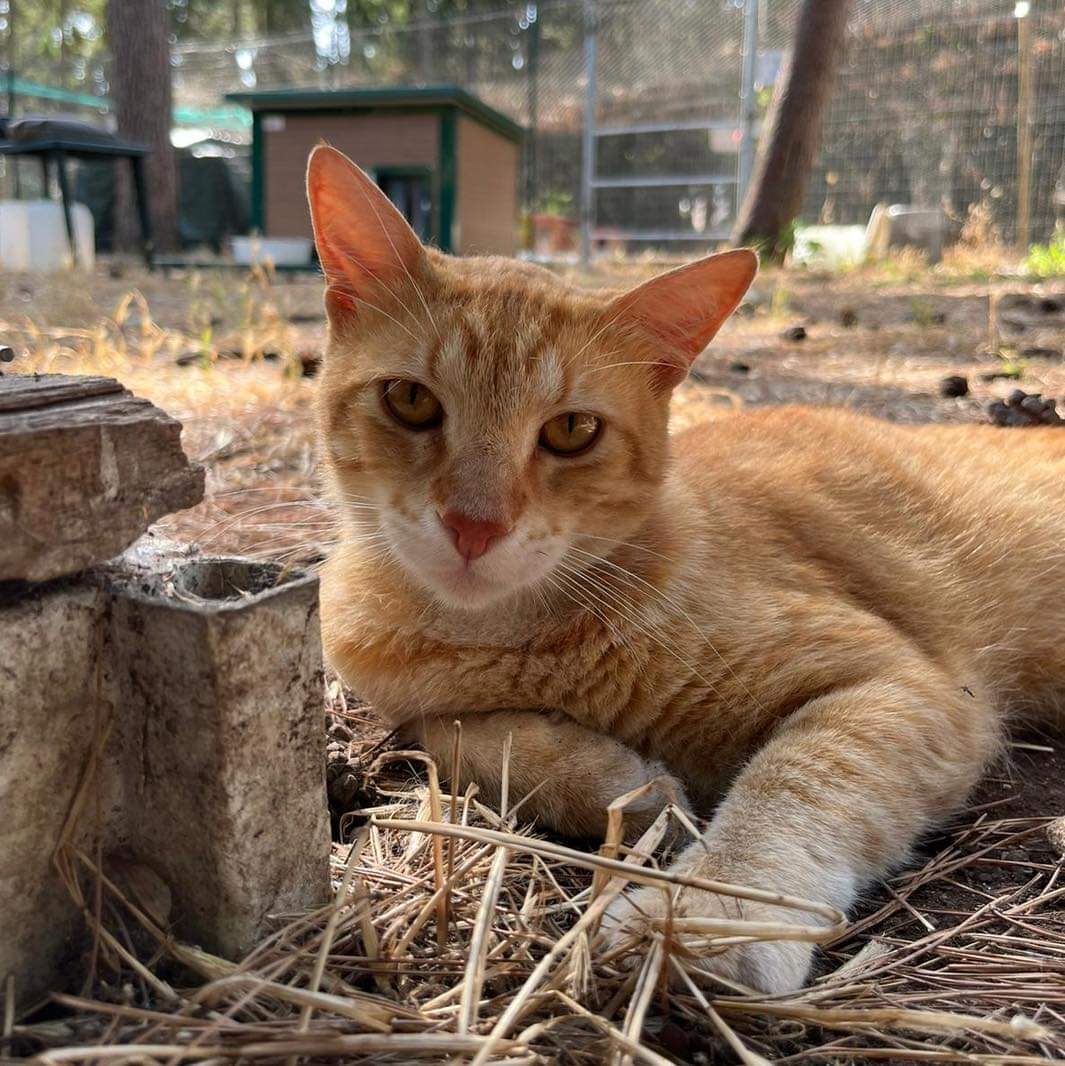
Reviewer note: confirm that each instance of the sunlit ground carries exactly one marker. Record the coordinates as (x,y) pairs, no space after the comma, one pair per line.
(226,354)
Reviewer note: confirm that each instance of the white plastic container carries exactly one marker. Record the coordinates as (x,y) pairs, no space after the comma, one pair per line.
(829,246)
(33,236)
(281,251)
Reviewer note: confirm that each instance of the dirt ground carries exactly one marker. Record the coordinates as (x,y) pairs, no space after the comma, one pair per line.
(230,358)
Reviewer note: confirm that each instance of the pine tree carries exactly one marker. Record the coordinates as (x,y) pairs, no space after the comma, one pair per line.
(793,130)
(138,32)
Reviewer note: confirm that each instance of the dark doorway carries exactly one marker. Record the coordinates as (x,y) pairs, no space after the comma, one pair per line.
(410,189)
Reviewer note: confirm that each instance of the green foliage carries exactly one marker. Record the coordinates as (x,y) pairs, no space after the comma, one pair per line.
(557,202)
(211,20)
(1047,260)
(1011,364)
(775,248)
(780,302)
(923,312)
(57,42)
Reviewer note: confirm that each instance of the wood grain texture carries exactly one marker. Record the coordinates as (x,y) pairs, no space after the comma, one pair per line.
(85,469)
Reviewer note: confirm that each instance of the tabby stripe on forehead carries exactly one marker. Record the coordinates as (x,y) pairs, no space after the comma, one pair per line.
(432,356)
(470,340)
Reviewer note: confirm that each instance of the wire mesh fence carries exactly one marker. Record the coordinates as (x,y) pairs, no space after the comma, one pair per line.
(955,105)
(958,104)
(666,106)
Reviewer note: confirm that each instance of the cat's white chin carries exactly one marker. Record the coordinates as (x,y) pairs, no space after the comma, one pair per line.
(466,590)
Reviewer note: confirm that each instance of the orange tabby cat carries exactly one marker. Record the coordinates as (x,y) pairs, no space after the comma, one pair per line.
(813,621)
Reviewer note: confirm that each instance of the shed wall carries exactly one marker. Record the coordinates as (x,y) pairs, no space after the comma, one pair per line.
(487,200)
(372,140)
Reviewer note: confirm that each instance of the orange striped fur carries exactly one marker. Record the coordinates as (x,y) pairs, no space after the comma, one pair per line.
(807,625)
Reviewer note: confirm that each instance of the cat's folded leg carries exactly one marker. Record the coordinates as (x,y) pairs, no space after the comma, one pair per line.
(836,798)
(568,773)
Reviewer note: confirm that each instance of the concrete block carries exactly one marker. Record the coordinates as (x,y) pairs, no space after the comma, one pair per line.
(50,640)
(223,660)
(213,775)
(904,226)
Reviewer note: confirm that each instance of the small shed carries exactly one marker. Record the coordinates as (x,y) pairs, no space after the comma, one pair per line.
(446,159)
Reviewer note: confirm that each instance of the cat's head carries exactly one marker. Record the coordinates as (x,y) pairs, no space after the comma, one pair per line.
(481,421)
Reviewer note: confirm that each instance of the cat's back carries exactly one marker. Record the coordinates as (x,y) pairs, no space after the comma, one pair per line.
(829,452)
(956,531)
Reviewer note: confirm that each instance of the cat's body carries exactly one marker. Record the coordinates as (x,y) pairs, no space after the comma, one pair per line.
(820,620)
(795,551)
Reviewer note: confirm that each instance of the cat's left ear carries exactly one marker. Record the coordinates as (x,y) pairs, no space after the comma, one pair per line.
(680,311)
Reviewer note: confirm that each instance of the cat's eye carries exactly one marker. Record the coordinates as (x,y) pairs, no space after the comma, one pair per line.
(412,404)
(570,434)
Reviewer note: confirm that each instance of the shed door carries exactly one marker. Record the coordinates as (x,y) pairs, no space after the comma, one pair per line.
(411,191)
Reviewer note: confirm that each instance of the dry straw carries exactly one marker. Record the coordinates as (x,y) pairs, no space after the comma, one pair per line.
(457,935)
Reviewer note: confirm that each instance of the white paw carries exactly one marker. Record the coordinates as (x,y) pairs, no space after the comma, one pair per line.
(765,965)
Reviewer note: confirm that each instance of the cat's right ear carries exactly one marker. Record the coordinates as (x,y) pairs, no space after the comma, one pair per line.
(680,311)
(365,246)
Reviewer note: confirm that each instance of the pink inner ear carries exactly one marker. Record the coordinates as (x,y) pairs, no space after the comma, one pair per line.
(677,331)
(363,241)
(683,309)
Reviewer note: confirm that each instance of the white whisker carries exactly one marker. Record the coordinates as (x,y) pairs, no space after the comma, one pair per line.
(628,574)
(619,604)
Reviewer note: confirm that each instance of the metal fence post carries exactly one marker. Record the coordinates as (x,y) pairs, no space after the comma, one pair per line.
(748,104)
(1023,16)
(588,133)
(532,105)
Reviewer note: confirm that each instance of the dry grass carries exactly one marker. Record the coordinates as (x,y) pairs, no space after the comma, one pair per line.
(224,358)
(456,933)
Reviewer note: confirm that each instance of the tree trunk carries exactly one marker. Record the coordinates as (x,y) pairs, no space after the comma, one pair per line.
(138,33)
(793,130)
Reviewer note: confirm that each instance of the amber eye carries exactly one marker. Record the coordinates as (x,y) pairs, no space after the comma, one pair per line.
(570,433)
(412,404)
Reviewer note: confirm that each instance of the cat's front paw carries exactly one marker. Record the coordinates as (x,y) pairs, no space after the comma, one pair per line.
(641,811)
(767,965)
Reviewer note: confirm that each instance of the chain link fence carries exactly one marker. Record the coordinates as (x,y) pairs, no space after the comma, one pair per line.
(638,106)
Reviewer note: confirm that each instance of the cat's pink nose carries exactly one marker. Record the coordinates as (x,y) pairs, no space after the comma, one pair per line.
(472,536)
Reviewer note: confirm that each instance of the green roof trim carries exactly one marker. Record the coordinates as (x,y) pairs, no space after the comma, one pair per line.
(413,97)
(52,92)
(229,118)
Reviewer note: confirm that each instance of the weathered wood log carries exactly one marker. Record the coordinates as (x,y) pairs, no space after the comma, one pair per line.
(85,468)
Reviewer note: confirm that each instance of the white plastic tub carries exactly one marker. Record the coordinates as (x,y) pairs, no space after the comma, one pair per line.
(829,246)
(281,251)
(33,236)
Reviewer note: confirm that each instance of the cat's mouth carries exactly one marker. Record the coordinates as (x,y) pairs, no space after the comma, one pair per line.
(464,581)
(520,560)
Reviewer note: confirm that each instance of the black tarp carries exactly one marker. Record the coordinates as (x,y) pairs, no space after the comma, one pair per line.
(34,128)
(212,198)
